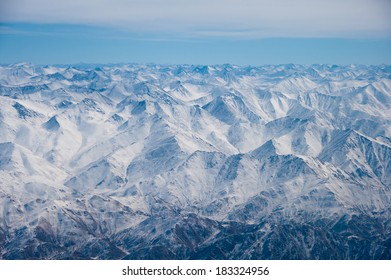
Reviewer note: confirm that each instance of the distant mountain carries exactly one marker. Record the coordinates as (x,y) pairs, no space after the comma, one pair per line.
(195,162)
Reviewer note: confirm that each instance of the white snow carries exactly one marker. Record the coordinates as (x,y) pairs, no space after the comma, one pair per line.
(314,131)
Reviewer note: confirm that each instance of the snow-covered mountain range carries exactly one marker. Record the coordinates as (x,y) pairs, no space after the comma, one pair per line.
(195,162)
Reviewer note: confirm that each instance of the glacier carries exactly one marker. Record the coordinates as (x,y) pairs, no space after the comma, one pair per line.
(147,161)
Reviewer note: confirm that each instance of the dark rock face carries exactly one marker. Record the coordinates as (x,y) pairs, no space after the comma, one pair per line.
(52,124)
(343,239)
(23,112)
(194,237)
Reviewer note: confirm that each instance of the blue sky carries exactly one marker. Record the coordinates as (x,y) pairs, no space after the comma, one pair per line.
(245,32)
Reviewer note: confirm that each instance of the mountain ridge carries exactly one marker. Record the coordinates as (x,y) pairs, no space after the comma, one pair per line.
(195,162)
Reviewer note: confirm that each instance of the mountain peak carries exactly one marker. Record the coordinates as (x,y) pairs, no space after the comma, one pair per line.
(188,162)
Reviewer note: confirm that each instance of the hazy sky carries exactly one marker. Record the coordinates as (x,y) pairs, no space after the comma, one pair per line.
(197,32)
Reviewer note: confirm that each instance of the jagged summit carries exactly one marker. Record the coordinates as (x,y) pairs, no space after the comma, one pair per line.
(195,162)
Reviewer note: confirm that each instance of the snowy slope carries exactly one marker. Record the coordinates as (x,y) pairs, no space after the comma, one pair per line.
(183,161)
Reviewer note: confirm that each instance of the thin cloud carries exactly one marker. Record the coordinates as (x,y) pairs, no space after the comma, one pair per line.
(214,18)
